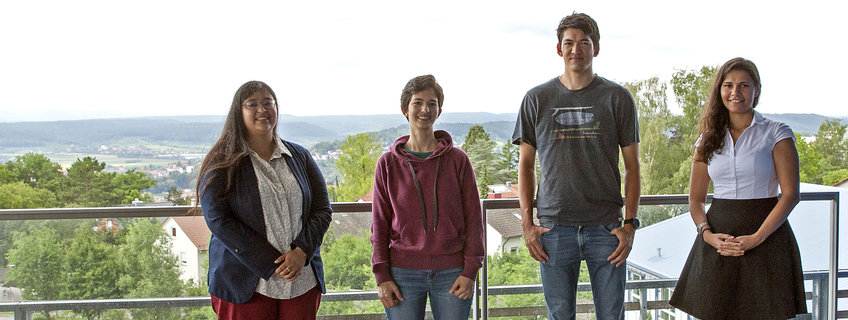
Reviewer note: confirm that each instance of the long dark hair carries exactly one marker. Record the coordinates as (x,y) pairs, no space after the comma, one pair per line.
(231,147)
(716,118)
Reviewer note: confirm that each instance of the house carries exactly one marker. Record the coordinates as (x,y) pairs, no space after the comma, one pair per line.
(842,184)
(354,223)
(190,244)
(503,226)
(503,231)
(661,249)
(368,197)
(109,225)
(501,191)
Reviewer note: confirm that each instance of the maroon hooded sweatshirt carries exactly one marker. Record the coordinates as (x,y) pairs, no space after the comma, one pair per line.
(426,212)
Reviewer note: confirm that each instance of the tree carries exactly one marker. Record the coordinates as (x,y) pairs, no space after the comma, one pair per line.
(37,258)
(507,165)
(475,133)
(92,269)
(519,268)
(198,290)
(831,144)
(130,184)
(809,159)
(357,164)
(823,161)
(347,263)
(691,88)
(175,196)
(659,156)
(484,160)
(834,177)
(19,195)
(36,170)
(148,268)
(6,175)
(52,264)
(88,185)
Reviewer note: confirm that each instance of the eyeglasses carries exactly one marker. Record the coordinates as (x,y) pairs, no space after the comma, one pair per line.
(266,104)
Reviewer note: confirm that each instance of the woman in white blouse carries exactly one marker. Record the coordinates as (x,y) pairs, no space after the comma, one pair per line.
(745,262)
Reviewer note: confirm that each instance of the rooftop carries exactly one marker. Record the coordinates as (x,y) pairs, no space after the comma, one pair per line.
(661,249)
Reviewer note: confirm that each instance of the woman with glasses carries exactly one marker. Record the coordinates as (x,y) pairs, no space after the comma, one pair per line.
(427,225)
(745,262)
(266,203)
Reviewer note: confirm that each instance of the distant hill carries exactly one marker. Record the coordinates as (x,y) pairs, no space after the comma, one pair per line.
(197,133)
(806,124)
(350,124)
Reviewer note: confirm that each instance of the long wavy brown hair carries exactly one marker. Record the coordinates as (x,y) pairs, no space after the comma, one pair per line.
(716,118)
(232,146)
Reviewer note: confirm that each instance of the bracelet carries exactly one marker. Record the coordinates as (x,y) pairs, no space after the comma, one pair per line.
(700,227)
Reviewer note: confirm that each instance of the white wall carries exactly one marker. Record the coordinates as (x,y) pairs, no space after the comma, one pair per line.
(185,251)
(493,240)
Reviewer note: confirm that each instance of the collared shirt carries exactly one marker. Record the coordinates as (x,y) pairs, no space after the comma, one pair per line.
(745,170)
(281,199)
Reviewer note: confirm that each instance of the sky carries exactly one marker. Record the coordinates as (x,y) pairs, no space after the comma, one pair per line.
(65,60)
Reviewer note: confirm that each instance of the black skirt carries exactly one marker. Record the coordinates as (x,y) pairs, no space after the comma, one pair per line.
(767,282)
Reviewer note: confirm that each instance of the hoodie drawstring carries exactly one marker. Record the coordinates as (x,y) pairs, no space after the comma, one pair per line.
(421,196)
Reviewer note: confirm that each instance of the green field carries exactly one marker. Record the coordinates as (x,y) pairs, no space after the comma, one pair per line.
(66,159)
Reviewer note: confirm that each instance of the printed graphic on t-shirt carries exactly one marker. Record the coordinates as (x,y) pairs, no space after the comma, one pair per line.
(576,122)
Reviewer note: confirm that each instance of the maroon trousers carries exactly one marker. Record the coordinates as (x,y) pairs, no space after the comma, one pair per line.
(261,307)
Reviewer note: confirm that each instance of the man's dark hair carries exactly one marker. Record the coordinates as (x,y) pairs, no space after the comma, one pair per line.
(580,21)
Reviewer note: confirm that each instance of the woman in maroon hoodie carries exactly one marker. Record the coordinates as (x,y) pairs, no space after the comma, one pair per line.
(427,227)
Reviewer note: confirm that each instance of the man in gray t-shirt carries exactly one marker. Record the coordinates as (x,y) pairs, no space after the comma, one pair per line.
(577,123)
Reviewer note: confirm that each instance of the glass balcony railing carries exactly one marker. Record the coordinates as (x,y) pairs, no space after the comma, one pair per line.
(646,298)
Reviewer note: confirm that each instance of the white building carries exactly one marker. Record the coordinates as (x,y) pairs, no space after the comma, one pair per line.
(503,231)
(660,250)
(190,243)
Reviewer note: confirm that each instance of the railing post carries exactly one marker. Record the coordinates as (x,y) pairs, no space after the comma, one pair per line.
(820,298)
(643,303)
(475,304)
(834,258)
(484,290)
(22,314)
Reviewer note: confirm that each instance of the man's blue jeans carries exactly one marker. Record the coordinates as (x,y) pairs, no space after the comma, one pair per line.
(566,246)
(415,285)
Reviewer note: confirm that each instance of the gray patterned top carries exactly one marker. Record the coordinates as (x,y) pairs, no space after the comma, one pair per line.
(281,198)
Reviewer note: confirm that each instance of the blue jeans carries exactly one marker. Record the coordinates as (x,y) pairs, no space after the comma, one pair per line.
(566,246)
(415,285)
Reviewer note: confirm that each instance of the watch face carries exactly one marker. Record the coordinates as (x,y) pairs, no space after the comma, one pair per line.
(634,222)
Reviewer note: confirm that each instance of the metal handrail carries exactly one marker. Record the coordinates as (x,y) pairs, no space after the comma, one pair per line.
(28,307)
(486,204)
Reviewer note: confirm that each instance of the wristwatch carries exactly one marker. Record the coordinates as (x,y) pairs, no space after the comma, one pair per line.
(700,227)
(634,222)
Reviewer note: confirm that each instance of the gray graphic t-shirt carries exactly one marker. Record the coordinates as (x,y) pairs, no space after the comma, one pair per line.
(577,134)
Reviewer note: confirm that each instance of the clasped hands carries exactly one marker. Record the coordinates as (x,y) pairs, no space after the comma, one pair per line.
(728,245)
(291,263)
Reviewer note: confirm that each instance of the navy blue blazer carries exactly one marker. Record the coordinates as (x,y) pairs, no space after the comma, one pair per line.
(239,251)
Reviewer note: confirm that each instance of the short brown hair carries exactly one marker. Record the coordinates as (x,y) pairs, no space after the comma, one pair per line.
(418,84)
(580,21)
